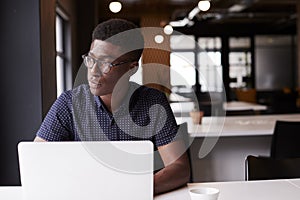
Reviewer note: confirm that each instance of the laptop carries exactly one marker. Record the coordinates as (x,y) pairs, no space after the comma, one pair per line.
(111,170)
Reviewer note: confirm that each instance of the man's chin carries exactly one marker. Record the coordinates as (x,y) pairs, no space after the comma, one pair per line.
(98,91)
(95,91)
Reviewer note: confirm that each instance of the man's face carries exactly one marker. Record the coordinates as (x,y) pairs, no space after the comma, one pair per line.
(103,84)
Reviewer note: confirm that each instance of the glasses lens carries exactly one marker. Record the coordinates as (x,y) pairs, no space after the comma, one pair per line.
(88,61)
(105,67)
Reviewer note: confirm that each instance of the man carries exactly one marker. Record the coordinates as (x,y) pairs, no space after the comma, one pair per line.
(110,107)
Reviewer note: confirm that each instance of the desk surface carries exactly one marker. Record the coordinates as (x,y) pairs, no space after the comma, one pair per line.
(11,193)
(246,190)
(254,125)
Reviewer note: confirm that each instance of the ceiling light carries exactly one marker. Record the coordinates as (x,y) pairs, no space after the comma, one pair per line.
(180,23)
(115,6)
(168,29)
(159,39)
(237,8)
(204,5)
(193,13)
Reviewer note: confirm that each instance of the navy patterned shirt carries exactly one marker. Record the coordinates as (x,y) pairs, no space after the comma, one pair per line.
(77,115)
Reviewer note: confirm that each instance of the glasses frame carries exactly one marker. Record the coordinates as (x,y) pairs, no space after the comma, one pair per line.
(99,63)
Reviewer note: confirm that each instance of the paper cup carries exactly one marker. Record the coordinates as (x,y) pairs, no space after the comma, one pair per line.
(204,193)
(197,116)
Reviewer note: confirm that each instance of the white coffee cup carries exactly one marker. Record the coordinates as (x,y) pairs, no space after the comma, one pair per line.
(204,193)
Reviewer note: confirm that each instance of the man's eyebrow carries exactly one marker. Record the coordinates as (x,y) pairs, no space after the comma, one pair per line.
(102,56)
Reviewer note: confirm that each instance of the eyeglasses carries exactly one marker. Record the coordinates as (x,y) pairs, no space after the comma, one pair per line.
(103,66)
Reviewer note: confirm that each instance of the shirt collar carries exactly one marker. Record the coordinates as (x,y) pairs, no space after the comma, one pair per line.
(98,101)
(125,103)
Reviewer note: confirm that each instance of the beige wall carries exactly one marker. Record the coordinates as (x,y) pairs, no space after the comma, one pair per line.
(156,57)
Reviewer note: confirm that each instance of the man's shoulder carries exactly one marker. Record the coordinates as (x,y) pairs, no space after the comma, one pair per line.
(147,94)
(69,95)
(142,89)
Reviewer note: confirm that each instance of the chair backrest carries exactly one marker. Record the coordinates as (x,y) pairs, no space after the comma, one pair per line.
(286,140)
(262,168)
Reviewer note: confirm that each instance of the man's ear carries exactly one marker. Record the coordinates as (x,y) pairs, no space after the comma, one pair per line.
(134,66)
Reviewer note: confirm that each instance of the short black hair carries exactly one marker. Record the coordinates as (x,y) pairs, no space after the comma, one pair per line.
(122,33)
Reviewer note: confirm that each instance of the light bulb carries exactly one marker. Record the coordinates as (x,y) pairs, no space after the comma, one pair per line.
(115,6)
(159,39)
(168,29)
(204,5)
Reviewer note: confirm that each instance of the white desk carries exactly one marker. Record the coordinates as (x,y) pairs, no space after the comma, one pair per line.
(11,193)
(242,105)
(246,190)
(258,190)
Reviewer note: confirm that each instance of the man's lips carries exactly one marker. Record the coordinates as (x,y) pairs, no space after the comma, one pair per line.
(95,84)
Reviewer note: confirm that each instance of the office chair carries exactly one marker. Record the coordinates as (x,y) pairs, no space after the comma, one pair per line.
(262,168)
(286,140)
(183,133)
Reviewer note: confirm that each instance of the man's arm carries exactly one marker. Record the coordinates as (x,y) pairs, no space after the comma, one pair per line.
(38,139)
(177,168)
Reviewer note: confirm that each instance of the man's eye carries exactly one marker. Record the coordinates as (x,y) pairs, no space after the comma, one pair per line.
(106,60)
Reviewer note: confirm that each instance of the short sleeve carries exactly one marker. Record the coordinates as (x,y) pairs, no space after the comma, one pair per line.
(169,130)
(57,125)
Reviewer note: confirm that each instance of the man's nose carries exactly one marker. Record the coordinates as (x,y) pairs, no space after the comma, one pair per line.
(96,70)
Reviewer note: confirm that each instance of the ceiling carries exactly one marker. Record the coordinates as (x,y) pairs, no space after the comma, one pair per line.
(255,12)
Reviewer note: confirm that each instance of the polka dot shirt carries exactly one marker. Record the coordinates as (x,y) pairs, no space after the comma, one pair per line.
(77,115)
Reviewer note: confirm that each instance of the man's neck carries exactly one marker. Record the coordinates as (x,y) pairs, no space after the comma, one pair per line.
(113,101)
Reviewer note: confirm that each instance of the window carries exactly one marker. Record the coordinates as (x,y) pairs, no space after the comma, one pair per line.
(182,61)
(63,57)
(210,68)
(240,62)
(183,70)
(138,76)
(196,62)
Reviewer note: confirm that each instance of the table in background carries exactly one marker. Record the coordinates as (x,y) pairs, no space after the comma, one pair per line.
(235,137)
(246,190)
(242,105)
(256,125)
(187,106)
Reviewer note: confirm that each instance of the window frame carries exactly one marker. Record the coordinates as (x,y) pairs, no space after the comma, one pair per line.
(63,55)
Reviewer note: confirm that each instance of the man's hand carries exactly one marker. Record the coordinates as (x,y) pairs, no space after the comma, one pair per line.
(38,139)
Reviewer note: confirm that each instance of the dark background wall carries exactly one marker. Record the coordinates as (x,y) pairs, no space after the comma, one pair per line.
(27,71)
(20,81)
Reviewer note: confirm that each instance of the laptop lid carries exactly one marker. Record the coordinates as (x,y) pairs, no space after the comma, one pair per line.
(86,170)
